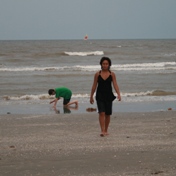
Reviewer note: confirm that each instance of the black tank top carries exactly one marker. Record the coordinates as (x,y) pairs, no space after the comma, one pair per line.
(104,89)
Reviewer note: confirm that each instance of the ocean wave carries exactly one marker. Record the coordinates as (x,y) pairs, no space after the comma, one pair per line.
(120,67)
(25,69)
(89,53)
(170,54)
(40,97)
(28,97)
(149,99)
(48,54)
(149,93)
(86,95)
(146,66)
(161,93)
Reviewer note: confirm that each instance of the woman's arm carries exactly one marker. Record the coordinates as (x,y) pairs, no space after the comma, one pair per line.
(116,87)
(94,86)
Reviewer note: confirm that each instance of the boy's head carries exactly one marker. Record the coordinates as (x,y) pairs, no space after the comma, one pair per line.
(51,92)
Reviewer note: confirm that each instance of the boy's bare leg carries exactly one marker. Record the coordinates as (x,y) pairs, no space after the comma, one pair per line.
(72,102)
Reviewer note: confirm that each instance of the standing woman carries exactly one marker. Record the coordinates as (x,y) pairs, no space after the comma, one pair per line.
(104,95)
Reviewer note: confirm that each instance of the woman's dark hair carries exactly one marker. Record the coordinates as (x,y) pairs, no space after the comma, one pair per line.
(50,91)
(105,58)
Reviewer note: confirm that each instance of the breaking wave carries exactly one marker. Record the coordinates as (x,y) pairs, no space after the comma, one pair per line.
(120,67)
(90,53)
(86,95)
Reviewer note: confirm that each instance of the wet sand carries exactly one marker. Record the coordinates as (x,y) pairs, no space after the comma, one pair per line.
(69,144)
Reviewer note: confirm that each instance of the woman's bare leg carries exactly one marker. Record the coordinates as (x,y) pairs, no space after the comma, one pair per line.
(102,123)
(107,121)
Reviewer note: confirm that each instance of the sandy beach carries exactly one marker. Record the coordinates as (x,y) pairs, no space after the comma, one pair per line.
(69,144)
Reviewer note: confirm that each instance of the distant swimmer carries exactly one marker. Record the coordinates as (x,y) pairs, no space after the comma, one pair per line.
(62,92)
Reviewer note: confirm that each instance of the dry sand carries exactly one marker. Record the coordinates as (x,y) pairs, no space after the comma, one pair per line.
(69,144)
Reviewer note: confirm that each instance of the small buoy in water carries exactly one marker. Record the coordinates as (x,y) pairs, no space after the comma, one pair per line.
(169,109)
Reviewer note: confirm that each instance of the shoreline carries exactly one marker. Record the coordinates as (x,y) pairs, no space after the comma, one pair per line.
(69,144)
(12,107)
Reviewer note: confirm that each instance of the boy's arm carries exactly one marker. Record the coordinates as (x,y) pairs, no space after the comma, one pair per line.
(55,101)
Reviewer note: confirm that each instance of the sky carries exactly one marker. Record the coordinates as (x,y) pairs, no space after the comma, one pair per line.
(99,19)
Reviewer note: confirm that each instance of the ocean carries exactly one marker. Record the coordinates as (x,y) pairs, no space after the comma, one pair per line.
(145,72)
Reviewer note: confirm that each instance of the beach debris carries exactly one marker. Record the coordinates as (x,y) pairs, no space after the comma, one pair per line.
(12,146)
(8,113)
(169,109)
(91,109)
(157,172)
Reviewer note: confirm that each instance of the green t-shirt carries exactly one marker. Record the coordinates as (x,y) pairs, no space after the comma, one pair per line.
(63,92)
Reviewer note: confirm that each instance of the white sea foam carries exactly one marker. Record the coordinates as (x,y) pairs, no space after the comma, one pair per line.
(149,99)
(27,97)
(147,95)
(133,67)
(170,54)
(99,53)
(39,97)
(120,67)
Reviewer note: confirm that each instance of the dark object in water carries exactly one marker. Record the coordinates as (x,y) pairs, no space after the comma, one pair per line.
(91,109)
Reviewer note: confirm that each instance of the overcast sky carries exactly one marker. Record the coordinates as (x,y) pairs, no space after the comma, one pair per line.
(100,19)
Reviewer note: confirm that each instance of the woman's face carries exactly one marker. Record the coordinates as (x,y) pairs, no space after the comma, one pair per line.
(105,65)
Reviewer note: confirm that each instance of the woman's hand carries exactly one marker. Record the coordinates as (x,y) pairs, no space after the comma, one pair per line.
(119,97)
(91,100)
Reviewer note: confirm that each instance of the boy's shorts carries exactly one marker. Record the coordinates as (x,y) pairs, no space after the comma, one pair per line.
(104,106)
(66,101)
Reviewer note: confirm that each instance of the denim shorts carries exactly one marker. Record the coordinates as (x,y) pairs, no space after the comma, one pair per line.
(104,106)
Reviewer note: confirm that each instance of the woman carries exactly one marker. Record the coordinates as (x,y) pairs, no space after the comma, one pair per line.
(104,95)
